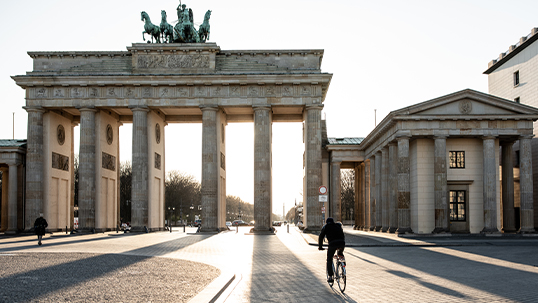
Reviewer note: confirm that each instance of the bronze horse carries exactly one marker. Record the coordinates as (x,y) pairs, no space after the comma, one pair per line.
(167,30)
(150,28)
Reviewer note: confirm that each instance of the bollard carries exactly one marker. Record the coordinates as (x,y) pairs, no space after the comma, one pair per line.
(183,227)
(288,228)
(66,229)
(237,228)
(170,228)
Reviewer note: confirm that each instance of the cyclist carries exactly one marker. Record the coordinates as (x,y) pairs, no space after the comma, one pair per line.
(335,236)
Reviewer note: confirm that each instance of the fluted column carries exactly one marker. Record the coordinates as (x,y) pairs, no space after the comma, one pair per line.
(393,187)
(86,168)
(371,179)
(210,169)
(378,191)
(12,200)
(262,169)
(336,203)
(359,205)
(139,183)
(490,185)
(34,167)
(440,186)
(313,167)
(509,218)
(366,185)
(385,189)
(525,181)
(404,195)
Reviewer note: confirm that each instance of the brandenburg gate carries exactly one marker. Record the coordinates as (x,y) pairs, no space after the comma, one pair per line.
(151,85)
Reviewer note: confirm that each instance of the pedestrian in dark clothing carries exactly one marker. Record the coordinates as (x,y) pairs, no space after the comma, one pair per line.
(335,236)
(39,226)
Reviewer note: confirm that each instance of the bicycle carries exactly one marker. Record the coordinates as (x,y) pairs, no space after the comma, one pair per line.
(339,272)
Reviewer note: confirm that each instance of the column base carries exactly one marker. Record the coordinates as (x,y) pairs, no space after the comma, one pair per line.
(372,228)
(377,228)
(527,230)
(440,230)
(209,230)
(392,229)
(384,229)
(490,231)
(509,230)
(270,231)
(139,229)
(404,230)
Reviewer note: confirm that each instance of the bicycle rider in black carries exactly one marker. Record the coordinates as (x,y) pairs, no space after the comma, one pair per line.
(335,236)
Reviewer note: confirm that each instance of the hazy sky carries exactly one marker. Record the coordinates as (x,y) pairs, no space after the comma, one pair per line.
(383,55)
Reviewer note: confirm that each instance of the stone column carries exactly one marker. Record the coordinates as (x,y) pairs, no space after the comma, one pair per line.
(393,187)
(313,174)
(336,203)
(359,206)
(509,217)
(34,167)
(378,191)
(87,169)
(12,200)
(139,183)
(385,189)
(440,186)
(210,169)
(404,195)
(367,200)
(4,197)
(372,193)
(490,185)
(262,169)
(525,181)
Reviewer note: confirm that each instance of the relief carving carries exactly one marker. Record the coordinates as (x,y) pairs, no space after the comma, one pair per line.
(157,161)
(305,90)
(111,92)
(173,61)
(58,92)
(94,92)
(129,92)
(286,91)
(60,134)
(109,162)
(158,133)
(466,106)
(270,91)
(41,93)
(76,92)
(200,91)
(164,92)
(60,162)
(253,91)
(146,92)
(182,92)
(235,91)
(109,134)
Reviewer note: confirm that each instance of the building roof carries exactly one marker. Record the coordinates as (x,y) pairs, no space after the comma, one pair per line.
(344,141)
(12,143)
(512,51)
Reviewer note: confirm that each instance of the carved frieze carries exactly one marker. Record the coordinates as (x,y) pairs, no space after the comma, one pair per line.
(182,91)
(59,92)
(60,162)
(108,162)
(41,92)
(130,92)
(172,61)
(157,161)
(94,92)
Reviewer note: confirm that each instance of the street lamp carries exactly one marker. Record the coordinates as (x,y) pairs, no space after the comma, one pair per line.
(192,207)
(170,210)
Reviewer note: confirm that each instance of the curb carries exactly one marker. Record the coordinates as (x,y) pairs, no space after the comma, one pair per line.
(213,291)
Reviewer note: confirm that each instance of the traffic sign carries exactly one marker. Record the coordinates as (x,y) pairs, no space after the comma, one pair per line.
(323,198)
(322,190)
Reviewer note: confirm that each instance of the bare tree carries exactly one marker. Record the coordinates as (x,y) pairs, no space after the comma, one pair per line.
(183,194)
(347,193)
(126,173)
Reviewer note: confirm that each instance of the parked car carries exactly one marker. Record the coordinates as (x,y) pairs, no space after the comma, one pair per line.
(228,223)
(197,223)
(300,225)
(239,223)
(251,223)
(277,223)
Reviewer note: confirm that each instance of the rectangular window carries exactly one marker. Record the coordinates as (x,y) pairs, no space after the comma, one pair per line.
(457,159)
(516,78)
(517,100)
(457,205)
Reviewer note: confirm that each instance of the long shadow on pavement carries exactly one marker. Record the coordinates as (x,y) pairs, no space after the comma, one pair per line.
(509,283)
(68,274)
(279,276)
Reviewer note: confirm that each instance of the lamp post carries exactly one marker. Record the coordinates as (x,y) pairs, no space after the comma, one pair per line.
(192,207)
(170,210)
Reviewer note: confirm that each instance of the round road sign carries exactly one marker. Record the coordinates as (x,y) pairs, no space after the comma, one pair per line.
(322,190)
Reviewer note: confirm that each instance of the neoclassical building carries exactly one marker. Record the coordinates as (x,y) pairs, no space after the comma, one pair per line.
(441,166)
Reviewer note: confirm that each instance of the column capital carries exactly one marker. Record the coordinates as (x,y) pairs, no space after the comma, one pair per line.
(261,107)
(336,161)
(440,137)
(314,106)
(403,137)
(210,107)
(392,143)
(38,109)
(139,108)
(489,137)
(528,136)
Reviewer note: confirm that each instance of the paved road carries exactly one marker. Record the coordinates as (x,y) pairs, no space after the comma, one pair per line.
(285,268)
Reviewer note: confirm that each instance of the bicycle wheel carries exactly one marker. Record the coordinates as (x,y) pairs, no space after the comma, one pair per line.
(341,276)
(327,273)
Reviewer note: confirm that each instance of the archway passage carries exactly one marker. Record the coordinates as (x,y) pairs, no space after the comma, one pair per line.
(151,85)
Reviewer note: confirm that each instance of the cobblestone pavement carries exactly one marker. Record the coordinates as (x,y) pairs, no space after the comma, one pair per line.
(285,268)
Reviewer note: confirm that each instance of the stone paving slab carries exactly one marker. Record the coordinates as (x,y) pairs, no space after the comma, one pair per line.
(285,268)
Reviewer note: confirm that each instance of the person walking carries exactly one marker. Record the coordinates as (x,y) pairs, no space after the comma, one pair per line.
(39,226)
(335,236)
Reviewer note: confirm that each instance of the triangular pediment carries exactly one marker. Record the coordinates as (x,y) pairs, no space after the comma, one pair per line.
(467,102)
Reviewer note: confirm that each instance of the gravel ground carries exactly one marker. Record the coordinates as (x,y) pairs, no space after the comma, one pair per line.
(79,277)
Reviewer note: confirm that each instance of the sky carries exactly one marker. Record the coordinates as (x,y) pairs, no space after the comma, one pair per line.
(384,55)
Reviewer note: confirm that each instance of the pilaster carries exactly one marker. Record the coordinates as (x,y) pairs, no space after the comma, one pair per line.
(393,187)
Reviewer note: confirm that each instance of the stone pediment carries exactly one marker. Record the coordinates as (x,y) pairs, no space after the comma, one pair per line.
(467,103)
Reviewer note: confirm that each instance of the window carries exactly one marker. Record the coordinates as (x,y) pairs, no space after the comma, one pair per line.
(517,100)
(457,205)
(516,78)
(457,159)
